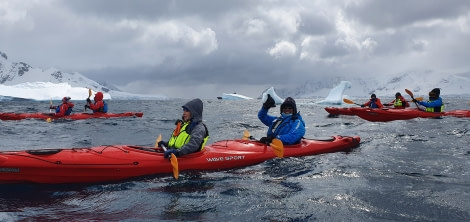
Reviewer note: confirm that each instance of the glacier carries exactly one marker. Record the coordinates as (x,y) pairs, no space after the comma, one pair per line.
(20,80)
(56,91)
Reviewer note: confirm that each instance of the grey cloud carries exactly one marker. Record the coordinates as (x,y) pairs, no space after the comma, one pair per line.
(386,14)
(227,43)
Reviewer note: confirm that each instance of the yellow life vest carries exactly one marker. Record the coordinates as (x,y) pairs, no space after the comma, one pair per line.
(180,137)
(397,103)
(431,109)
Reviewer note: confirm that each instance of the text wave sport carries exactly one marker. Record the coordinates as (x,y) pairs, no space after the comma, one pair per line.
(121,162)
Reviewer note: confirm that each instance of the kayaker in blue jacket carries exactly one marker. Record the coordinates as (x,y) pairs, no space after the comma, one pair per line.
(190,134)
(289,127)
(434,104)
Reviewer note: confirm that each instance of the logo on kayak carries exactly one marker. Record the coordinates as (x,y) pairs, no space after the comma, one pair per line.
(9,170)
(226,158)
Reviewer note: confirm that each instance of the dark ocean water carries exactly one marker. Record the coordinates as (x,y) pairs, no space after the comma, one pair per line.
(414,170)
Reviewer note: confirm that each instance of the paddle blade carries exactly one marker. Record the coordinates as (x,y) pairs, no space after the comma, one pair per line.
(159,138)
(348,101)
(409,92)
(49,120)
(89,93)
(174,164)
(278,147)
(246,135)
(419,98)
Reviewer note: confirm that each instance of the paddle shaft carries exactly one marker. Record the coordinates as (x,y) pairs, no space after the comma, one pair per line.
(412,97)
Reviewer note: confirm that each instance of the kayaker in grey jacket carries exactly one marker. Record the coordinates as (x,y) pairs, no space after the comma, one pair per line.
(190,134)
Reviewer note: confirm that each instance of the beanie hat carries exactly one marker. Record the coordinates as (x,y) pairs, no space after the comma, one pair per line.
(373,96)
(436,91)
(398,94)
(289,102)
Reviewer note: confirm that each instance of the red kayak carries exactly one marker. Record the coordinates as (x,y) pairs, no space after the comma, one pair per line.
(73,116)
(339,110)
(458,113)
(121,162)
(386,115)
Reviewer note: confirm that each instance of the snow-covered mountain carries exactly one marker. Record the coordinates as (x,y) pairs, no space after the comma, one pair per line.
(18,73)
(420,83)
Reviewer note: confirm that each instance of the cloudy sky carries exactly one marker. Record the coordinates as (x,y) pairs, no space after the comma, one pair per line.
(203,48)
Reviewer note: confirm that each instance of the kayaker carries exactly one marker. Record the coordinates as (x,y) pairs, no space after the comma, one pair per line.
(99,105)
(289,127)
(374,102)
(190,134)
(399,102)
(434,104)
(64,109)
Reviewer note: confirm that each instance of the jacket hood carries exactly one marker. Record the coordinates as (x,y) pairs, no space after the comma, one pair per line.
(98,96)
(195,107)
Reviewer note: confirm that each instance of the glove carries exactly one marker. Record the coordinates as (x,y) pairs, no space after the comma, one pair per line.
(162,144)
(387,104)
(88,100)
(363,106)
(414,100)
(52,107)
(87,106)
(269,103)
(267,139)
(169,152)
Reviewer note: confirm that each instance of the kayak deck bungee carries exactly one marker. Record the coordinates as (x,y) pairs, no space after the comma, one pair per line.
(121,162)
(386,115)
(73,116)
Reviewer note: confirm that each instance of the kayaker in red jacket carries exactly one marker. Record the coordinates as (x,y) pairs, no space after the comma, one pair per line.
(374,102)
(99,105)
(64,109)
(399,102)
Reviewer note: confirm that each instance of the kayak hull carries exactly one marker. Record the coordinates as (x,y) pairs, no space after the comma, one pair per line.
(121,162)
(386,115)
(74,116)
(458,113)
(338,110)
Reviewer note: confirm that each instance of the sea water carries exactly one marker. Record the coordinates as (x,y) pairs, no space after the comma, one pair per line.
(413,170)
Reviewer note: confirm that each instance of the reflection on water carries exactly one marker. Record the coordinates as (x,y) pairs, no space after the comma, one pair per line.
(415,170)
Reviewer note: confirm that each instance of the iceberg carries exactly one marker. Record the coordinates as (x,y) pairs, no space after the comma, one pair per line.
(335,97)
(234,96)
(273,94)
(45,91)
(42,91)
